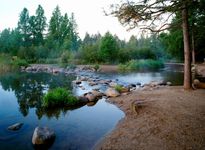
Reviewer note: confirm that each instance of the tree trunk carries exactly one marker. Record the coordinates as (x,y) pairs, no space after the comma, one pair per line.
(187,55)
(193,48)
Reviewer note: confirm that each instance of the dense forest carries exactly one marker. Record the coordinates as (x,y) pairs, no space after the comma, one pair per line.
(37,40)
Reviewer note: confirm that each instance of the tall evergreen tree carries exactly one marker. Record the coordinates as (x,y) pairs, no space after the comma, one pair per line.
(24,28)
(54,27)
(40,25)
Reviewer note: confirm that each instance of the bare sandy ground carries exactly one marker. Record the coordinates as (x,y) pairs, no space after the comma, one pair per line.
(171,119)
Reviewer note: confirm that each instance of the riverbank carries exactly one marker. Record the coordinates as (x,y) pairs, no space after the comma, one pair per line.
(166,118)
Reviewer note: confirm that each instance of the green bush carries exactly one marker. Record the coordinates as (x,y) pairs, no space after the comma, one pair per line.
(141,65)
(65,56)
(20,62)
(96,67)
(59,97)
(118,88)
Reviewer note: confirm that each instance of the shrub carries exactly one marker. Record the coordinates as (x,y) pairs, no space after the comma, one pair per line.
(96,67)
(59,97)
(65,56)
(141,65)
(20,62)
(118,88)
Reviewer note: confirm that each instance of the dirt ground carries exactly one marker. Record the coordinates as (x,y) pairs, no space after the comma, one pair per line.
(170,119)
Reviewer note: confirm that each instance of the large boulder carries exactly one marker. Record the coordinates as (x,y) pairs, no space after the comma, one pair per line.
(43,136)
(15,126)
(110,92)
(97,93)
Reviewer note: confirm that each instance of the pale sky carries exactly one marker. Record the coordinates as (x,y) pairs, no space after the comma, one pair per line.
(88,14)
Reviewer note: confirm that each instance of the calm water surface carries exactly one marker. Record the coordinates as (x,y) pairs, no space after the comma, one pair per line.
(20,96)
(80,128)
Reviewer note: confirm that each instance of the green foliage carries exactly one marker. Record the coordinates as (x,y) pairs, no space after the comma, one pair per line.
(24,28)
(143,53)
(118,88)
(96,67)
(65,56)
(108,48)
(59,97)
(20,62)
(141,65)
(8,63)
(89,53)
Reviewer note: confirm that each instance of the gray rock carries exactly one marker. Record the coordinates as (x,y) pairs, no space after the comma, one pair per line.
(90,97)
(15,126)
(110,92)
(78,82)
(92,83)
(43,136)
(97,93)
(112,84)
(169,83)
(28,69)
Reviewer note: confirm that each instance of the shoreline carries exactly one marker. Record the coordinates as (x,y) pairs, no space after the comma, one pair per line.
(170,118)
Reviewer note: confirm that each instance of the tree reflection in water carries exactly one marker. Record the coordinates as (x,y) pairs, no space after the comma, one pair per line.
(29,89)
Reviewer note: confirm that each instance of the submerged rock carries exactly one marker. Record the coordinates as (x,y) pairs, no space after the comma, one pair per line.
(43,136)
(110,92)
(15,126)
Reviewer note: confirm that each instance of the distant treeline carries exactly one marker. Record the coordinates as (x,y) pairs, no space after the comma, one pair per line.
(38,41)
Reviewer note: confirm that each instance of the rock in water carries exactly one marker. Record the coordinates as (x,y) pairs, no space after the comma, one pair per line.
(15,126)
(43,136)
(111,92)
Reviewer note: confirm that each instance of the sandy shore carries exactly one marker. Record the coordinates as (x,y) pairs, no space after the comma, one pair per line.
(170,119)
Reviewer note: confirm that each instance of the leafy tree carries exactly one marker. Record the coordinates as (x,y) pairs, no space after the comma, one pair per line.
(108,48)
(137,13)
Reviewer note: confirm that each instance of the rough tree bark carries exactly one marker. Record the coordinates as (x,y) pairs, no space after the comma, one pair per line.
(193,48)
(187,55)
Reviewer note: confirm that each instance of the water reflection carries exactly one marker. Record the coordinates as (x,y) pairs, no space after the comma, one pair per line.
(29,89)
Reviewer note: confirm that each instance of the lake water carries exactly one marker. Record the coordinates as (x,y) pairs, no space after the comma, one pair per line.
(80,128)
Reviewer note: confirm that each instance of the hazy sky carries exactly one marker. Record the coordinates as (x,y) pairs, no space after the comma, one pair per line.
(88,13)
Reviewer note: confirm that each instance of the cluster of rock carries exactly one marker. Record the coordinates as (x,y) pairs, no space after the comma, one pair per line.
(111,87)
(155,85)
(35,68)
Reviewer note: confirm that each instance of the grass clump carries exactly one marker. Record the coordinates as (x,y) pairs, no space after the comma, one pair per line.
(96,67)
(19,62)
(8,63)
(59,97)
(119,88)
(141,65)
